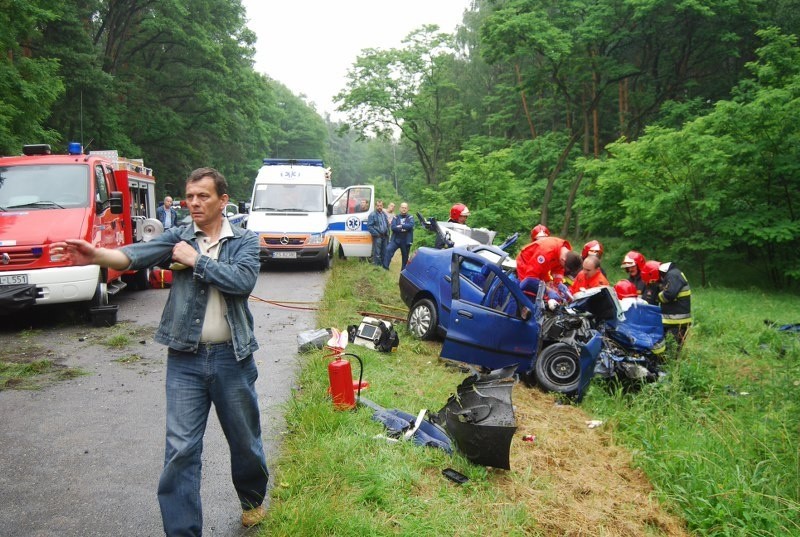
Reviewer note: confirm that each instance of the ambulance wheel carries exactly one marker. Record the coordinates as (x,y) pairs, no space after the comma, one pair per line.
(341,253)
(558,368)
(423,319)
(327,263)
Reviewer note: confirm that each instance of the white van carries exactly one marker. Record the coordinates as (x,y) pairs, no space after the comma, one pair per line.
(297,218)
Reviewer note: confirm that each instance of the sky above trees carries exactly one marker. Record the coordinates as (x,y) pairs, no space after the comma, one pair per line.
(308,45)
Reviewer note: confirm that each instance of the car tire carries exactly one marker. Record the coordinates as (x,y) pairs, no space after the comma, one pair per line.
(423,319)
(558,368)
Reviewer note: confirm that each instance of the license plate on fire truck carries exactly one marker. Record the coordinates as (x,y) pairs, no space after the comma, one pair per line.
(14,279)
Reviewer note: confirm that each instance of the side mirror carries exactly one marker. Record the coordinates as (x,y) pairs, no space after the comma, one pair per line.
(243,207)
(329,209)
(115,202)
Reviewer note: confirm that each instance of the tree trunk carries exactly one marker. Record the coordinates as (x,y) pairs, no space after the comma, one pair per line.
(548,191)
(525,103)
(573,192)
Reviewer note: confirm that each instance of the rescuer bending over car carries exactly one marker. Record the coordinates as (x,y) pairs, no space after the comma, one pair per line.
(208,329)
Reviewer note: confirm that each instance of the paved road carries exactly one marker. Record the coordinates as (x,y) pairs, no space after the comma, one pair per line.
(82,457)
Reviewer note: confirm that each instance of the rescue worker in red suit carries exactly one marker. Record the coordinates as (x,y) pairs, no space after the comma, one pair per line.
(549,259)
(593,248)
(633,262)
(591,275)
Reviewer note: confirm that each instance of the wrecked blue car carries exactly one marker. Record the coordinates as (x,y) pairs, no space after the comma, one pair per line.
(471,297)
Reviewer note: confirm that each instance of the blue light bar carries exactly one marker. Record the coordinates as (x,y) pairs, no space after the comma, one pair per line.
(74,148)
(293,162)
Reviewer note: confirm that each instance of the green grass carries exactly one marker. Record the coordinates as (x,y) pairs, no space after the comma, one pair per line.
(718,439)
(117,341)
(26,365)
(34,374)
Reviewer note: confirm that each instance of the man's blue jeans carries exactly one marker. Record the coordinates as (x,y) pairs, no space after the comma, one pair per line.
(393,247)
(194,381)
(379,249)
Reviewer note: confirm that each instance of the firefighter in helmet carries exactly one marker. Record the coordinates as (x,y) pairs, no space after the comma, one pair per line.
(651,280)
(675,298)
(459,214)
(633,262)
(592,248)
(627,294)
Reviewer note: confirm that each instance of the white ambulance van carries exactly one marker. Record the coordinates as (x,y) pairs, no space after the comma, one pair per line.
(297,218)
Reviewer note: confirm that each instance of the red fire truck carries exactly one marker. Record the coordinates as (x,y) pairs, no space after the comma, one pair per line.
(100,197)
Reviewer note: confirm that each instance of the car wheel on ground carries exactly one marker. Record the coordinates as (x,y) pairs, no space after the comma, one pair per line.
(558,368)
(422,319)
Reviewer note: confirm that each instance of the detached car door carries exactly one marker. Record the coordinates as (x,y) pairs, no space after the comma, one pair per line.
(495,328)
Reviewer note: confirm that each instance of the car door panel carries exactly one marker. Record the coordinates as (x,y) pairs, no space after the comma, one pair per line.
(485,331)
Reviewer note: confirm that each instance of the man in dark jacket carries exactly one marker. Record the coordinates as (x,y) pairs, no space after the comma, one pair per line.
(676,302)
(378,227)
(402,237)
(167,214)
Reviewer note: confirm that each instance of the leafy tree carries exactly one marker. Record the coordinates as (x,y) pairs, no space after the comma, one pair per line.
(488,186)
(598,70)
(407,91)
(29,83)
(722,188)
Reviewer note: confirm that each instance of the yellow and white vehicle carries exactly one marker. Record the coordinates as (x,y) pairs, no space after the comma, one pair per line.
(297,219)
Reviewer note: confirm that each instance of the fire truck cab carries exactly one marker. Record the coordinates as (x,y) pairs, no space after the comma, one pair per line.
(45,198)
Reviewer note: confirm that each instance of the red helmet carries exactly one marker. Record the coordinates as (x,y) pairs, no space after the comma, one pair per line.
(539,231)
(626,289)
(650,271)
(592,248)
(457,210)
(633,259)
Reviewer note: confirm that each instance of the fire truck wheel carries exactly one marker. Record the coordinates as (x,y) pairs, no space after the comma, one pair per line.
(100,297)
(141,280)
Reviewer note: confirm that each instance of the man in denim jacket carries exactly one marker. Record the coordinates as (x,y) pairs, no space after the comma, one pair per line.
(208,329)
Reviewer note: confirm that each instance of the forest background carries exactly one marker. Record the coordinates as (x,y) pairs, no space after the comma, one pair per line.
(670,127)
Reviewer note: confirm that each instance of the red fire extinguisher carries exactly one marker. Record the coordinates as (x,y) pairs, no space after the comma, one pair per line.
(341,382)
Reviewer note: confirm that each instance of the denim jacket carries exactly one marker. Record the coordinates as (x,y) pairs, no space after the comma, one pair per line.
(234,274)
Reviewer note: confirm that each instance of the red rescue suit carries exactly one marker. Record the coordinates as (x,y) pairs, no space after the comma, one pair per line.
(583,281)
(542,259)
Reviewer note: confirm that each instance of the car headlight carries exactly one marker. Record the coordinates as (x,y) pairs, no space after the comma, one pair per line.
(316,238)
